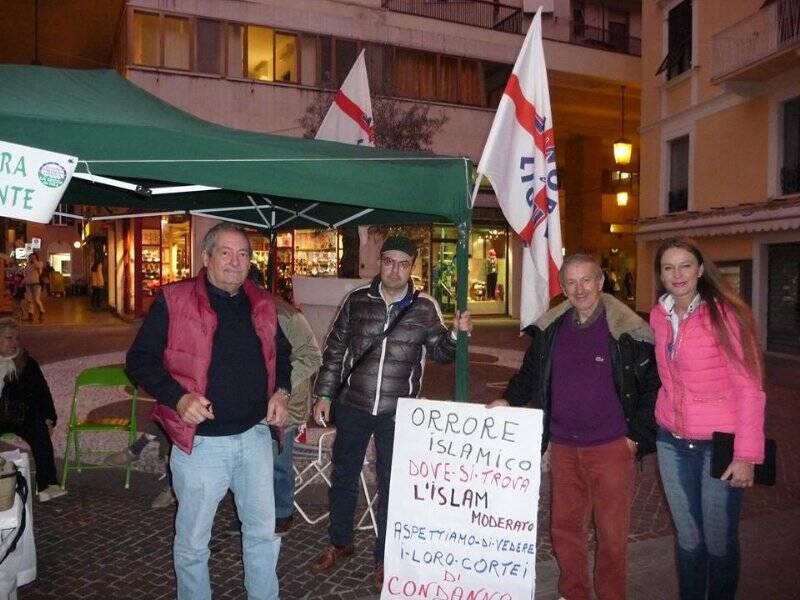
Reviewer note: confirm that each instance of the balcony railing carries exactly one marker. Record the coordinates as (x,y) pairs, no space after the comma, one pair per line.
(478,13)
(772,29)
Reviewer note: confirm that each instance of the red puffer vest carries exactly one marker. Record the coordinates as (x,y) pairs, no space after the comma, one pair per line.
(187,357)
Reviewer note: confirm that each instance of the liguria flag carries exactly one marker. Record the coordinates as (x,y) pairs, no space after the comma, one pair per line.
(349,119)
(519,160)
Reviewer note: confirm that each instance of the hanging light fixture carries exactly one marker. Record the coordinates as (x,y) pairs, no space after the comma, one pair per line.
(622,146)
(622,198)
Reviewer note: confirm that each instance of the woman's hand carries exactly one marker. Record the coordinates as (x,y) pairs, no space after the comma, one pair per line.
(740,474)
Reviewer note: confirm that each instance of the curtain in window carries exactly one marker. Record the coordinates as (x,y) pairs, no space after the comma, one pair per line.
(209,43)
(235,51)
(448,79)
(471,83)
(176,43)
(415,74)
(145,39)
(260,53)
(286,58)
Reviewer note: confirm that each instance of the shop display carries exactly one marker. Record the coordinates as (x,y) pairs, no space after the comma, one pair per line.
(316,253)
(151,261)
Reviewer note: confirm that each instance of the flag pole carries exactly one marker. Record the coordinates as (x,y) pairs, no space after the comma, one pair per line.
(462,285)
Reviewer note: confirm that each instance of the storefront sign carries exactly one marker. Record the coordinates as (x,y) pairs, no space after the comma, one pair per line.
(463,502)
(36,243)
(32,181)
(20,253)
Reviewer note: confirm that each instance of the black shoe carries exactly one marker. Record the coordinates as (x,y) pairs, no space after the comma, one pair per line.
(283,524)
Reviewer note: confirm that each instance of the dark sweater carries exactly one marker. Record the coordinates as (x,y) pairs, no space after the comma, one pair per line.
(586,410)
(237,376)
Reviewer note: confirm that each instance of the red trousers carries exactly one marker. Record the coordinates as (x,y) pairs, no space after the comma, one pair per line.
(598,482)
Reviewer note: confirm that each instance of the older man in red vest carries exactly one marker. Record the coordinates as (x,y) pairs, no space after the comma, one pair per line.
(211,353)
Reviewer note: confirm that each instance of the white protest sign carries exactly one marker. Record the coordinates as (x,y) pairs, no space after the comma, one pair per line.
(32,181)
(463,502)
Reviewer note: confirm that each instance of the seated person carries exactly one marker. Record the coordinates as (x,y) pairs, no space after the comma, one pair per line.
(26,407)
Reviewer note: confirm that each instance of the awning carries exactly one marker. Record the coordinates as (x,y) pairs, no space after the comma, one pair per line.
(775,215)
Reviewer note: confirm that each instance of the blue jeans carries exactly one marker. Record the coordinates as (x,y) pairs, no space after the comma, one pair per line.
(243,463)
(706,516)
(354,428)
(283,476)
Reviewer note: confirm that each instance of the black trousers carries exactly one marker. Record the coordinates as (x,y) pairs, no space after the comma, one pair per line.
(34,431)
(353,431)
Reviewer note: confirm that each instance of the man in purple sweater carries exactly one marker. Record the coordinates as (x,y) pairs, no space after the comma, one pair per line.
(591,369)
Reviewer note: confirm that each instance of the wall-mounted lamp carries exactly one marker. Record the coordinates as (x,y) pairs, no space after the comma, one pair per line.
(76,244)
(622,198)
(622,146)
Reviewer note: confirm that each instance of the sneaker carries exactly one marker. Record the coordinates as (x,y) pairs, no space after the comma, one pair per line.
(283,524)
(164,499)
(121,458)
(53,491)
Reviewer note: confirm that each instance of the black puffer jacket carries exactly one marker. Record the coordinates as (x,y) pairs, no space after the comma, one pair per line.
(633,362)
(394,367)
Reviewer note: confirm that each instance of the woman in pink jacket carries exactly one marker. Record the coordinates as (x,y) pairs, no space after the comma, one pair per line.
(710,366)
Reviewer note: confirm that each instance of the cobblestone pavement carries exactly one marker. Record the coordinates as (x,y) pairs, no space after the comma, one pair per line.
(101,541)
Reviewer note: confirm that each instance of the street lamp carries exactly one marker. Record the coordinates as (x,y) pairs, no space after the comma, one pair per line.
(622,146)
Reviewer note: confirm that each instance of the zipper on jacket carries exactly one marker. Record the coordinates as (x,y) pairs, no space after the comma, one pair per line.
(380,364)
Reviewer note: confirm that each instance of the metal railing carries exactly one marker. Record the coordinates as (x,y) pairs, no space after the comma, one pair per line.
(772,29)
(605,39)
(478,13)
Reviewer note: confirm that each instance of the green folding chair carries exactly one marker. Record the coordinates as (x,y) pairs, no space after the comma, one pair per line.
(98,377)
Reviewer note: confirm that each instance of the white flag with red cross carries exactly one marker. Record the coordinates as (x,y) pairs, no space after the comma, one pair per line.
(520,162)
(349,119)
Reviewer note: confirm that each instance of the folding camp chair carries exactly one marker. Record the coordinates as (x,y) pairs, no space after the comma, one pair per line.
(111,376)
(312,465)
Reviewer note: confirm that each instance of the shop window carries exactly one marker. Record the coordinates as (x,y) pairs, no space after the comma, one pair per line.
(146,47)
(316,252)
(235,53)
(175,249)
(260,53)
(679,37)
(487,269)
(286,58)
(177,43)
(678,175)
(209,46)
(790,171)
(346,53)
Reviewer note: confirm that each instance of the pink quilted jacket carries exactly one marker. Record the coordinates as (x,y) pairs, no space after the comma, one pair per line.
(702,390)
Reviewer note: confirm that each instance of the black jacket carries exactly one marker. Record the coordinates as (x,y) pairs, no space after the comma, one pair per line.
(30,389)
(394,367)
(633,362)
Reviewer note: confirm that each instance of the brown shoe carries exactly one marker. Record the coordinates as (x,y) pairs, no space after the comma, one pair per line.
(329,557)
(379,577)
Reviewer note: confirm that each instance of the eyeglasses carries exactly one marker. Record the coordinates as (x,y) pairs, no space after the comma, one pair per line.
(390,262)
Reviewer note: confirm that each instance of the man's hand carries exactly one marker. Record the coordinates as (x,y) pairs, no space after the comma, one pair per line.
(496,403)
(194,409)
(462,321)
(277,408)
(322,411)
(740,474)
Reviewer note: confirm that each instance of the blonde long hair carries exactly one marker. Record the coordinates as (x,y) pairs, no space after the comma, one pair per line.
(720,298)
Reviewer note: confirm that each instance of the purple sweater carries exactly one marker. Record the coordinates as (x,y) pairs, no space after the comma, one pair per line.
(585,408)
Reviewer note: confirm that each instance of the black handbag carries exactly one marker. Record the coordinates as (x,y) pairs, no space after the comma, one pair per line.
(722,455)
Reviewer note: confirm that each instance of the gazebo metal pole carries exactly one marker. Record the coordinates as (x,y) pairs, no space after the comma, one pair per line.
(462,285)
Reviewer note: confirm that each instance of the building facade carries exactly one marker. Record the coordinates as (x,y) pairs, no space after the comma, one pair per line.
(259,65)
(720,138)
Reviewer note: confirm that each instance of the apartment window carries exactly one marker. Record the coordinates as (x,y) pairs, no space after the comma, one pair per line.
(495,77)
(790,171)
(346,53)
(146,46)
(679,174)
(459,80)
(679,37)
(235,54)
(177,43)
(380,59)
(415,74)
(209,46)
(271,56)
(286,58)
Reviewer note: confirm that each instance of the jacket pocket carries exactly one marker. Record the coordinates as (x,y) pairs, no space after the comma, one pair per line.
(710,398)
